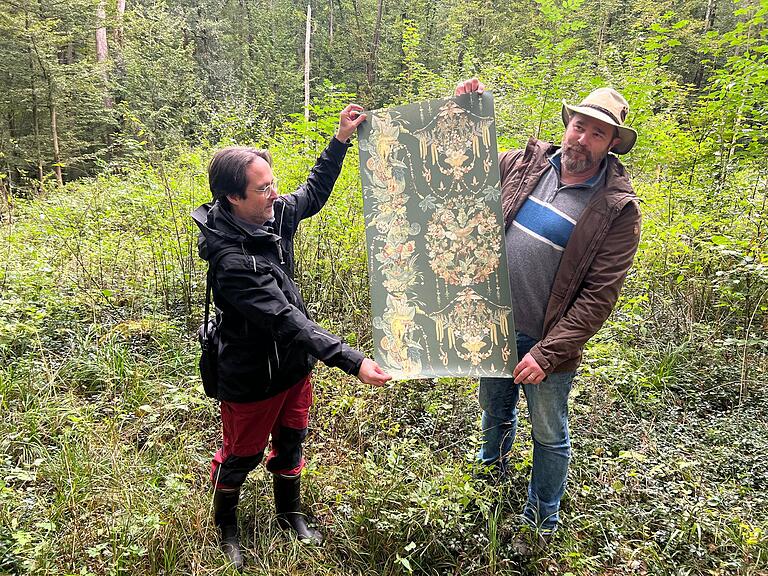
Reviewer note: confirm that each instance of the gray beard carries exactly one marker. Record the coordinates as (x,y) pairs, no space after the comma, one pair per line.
(576,164)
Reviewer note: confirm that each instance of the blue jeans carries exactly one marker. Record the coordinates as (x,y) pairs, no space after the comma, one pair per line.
(548,412)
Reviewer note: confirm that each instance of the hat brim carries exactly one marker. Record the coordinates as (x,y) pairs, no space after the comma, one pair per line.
(627,135)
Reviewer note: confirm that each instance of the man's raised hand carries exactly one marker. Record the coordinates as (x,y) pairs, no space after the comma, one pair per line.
(349,119)
(467,86)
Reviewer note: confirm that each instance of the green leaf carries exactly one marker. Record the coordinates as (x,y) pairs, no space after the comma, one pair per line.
(632,455)
(405,562)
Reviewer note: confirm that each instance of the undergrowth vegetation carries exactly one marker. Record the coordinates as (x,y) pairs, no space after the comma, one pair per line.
(106,435)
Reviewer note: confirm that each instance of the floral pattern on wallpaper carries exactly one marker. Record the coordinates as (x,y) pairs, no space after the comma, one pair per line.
(439,282)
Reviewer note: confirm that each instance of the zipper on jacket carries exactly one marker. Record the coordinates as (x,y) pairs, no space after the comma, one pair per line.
(280,251)
(280,234)
(277,357)
(322,334)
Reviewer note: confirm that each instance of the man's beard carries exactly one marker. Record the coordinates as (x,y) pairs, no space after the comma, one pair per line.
(574,163)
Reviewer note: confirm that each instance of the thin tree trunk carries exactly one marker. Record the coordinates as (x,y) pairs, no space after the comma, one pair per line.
(102,52)
(709,19)
(55,135)
(356,31)
(102,49)
(330,23)
(35,55)
(35,112)
(119,26)
(6,196)
(36,123)
(371,64)
(306,67)
(8,169)
(119,66)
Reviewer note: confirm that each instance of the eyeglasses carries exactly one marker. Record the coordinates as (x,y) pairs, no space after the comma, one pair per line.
(267,190)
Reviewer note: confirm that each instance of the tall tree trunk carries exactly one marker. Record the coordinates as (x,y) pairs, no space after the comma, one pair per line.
(330,23)
(55,135)
(6,184)
(102,51)
(36,123)
(370,66)
(356,31)
(35,108)
(117,47)
(709,19)
(119,23)
(6,195)
(306,63)
(8,169)
(34,55)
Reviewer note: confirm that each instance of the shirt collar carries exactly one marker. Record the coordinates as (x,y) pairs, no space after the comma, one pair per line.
(249,227)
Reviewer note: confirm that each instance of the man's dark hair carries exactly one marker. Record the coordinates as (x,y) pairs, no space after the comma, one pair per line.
(226,172)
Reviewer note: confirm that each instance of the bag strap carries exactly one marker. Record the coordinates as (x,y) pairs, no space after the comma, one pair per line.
(207,296)
(208,283)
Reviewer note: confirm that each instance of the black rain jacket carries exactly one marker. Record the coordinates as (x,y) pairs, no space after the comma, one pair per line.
(268,342)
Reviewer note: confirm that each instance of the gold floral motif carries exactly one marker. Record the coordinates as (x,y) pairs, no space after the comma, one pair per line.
(402,351)
(463,242)
(396,254)
(472,320)
(451,136)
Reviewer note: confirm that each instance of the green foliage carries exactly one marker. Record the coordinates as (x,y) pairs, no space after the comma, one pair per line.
(182,73)
(158,88)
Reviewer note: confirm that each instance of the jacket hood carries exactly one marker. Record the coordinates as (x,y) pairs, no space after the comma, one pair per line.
(218,230)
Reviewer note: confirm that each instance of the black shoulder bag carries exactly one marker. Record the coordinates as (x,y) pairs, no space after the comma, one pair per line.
(208,335)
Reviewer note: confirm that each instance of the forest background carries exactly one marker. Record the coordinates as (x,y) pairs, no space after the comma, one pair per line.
(109,112)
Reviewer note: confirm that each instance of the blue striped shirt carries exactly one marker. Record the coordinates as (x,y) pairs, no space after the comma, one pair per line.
(536,240)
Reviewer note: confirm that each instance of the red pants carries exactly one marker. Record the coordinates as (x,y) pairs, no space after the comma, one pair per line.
(246,430)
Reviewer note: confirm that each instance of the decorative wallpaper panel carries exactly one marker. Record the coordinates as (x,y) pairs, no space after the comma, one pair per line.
(434,229)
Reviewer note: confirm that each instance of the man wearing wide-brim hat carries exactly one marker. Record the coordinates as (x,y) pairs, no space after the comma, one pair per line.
(572,229)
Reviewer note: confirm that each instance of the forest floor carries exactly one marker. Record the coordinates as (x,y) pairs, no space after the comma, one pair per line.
(106,456)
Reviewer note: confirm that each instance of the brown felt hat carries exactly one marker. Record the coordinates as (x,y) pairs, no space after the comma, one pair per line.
(608,105)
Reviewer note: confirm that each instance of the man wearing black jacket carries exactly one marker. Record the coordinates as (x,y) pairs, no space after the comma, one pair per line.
(268,343)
